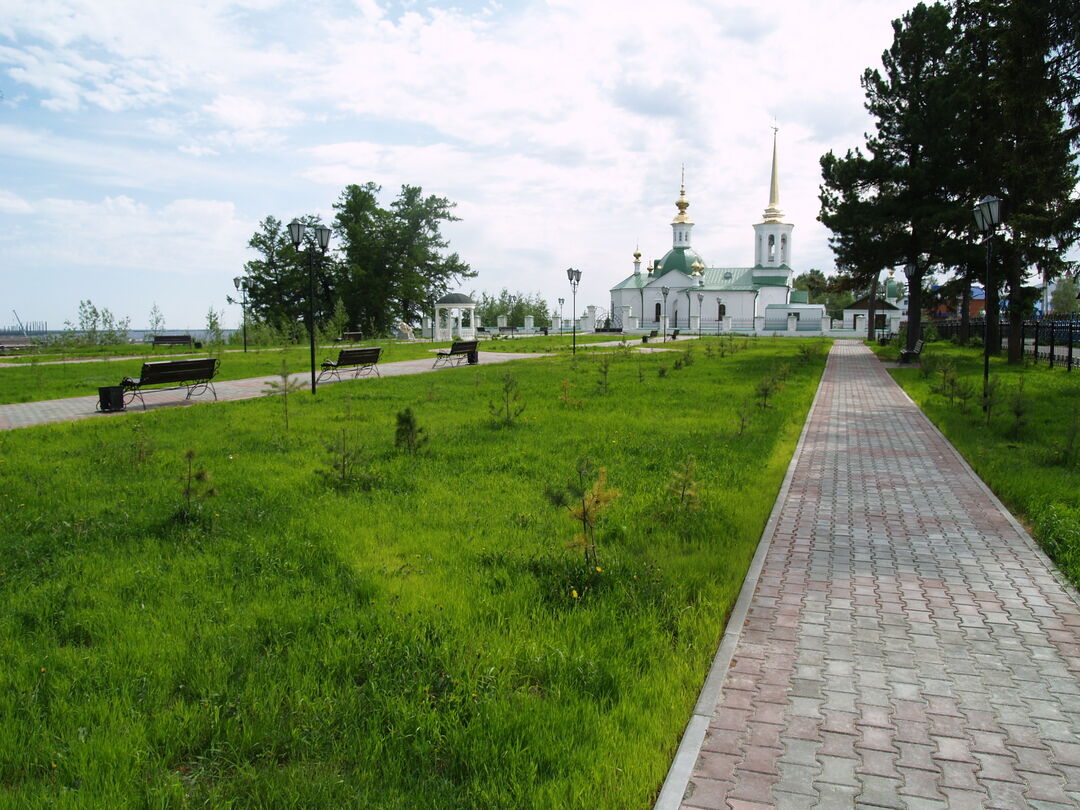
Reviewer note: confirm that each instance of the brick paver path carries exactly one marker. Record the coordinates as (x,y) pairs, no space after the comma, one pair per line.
(25,414)
(906,645)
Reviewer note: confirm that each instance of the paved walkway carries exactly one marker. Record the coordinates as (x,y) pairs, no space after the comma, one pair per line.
(25,414)
(900,641)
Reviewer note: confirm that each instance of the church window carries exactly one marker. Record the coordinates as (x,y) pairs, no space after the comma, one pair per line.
(721,311)
(657,318)
(772,248)
(783,249)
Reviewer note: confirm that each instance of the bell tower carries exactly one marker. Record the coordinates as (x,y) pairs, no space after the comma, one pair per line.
(772,236)
(682,224)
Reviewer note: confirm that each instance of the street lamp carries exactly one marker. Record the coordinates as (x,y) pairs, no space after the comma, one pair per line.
(987,216)
(510,314)
(574,276)
(700,301)
(664,291)
(561,302)
(322,235)
(241,286)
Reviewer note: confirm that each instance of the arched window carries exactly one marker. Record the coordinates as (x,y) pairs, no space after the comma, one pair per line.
(772,248)
(783,249)
(659,310)
(721,311)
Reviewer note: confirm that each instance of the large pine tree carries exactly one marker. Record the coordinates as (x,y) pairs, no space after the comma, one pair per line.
(895,205)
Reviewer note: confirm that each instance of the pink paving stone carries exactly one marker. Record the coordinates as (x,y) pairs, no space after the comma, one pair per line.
(766,735)
(761,759)
(753,787)
(716,766)
(709,794)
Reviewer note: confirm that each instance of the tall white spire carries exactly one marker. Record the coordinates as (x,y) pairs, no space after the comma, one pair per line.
(773,212)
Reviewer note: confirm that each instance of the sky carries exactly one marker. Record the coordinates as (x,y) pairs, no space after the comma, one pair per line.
(141,142)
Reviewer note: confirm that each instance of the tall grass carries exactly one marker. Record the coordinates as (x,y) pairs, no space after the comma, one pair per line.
(426,640)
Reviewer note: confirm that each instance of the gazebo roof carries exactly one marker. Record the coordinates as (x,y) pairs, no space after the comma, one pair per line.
(455,298)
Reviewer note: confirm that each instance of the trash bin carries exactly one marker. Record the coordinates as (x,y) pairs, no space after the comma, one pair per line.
(110,398)
(474,357)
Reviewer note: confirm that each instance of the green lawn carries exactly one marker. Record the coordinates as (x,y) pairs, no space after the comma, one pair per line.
(422,636)
(1029,467)
(36,378)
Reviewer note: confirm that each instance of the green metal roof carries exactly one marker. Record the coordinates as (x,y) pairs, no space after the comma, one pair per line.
(729,278)
(455,298)
(679,259)
(635,282)
(771,281)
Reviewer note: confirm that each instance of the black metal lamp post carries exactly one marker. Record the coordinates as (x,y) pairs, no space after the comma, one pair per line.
(574,277)
(987,217)
(510,315)
(664,291)
(561,302)
(700,301)
(241,285)
(322,235)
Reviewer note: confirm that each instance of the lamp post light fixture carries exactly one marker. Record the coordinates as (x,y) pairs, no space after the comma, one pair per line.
(322,236)
(574,276)
(700,301)
(561,302)
(664,291)
(987,216)
(241,286)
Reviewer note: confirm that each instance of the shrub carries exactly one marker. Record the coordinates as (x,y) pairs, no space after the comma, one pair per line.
(409,436)
(509,407)
(585,500)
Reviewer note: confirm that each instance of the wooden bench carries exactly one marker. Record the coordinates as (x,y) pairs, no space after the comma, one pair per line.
(350,337)
(459,352)
(363,360)
(194,375)
(674,334)
(173,340)
(909,355)
(652,334)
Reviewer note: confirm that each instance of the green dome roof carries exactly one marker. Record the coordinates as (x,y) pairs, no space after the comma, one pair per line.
(680,259)
(455,298)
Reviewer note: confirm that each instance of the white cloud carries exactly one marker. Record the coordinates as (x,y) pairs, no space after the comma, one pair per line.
(11,203)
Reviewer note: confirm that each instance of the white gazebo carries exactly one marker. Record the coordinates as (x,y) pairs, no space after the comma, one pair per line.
(455,317)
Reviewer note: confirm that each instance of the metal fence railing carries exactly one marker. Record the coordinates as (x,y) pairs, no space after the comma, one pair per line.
(1056,342)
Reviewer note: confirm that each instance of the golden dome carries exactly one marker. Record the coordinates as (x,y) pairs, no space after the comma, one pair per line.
(682,204)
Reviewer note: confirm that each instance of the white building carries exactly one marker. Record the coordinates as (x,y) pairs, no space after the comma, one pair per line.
(719,299)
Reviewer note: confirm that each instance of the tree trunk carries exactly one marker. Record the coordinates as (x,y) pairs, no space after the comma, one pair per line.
(871,309)
(993,308)
(1016,325)
(965,309)
(914,311)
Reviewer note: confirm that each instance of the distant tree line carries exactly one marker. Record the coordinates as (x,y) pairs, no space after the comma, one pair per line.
(974,98)
(384,265)
(515,306)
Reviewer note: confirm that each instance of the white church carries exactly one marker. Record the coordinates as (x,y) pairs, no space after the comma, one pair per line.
(680,291)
